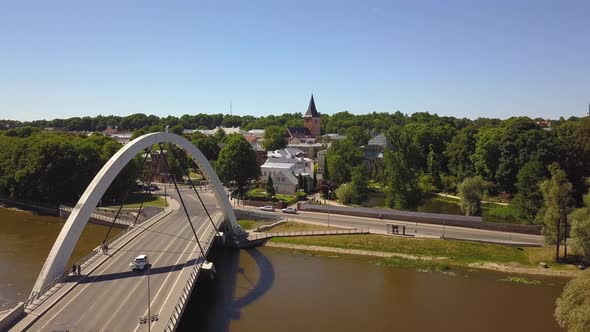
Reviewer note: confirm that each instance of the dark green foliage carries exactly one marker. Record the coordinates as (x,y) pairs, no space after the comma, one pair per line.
(270,187)
(342,157)
(471,191)
(208,146)
(275,138)
(359,186)
(56,167)
(236,165)
(358,135)
(529,199)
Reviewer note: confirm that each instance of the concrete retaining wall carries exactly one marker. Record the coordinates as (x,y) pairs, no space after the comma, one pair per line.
(422,217)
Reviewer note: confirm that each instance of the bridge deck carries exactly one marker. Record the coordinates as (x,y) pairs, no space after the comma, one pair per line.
(110,297)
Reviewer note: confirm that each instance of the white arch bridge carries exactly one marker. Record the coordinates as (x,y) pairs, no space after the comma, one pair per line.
(108,296)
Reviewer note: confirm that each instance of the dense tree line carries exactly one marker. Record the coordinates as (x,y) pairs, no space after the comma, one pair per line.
(55,168)
(430,152)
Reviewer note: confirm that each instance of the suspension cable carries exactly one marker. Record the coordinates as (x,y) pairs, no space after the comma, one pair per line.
(182,202)
(195,190)
(125,197)
(147,189)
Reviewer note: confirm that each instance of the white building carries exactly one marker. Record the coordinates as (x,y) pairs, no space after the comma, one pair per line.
(284,167)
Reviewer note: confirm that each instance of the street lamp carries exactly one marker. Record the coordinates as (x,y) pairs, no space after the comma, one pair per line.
(149,318)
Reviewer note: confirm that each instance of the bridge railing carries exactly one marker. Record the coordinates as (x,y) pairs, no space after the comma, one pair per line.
(48,289)
(190,283)
(309,233)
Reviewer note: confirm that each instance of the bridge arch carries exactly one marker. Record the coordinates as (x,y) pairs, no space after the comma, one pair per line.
(62,249)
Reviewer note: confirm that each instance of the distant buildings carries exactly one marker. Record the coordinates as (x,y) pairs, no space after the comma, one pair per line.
(373,152)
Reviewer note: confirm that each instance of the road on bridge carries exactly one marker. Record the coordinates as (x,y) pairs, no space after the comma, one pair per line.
(113,297)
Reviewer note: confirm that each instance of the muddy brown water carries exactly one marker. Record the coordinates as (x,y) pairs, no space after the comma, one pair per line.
(25,241)
(271,289)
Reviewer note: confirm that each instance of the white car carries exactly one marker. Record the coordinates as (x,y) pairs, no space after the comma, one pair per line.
(139,263)
(268,208)
(290,210)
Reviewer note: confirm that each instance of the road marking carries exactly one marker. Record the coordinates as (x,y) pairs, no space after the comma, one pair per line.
(116,311)
(174,284)
(134,243)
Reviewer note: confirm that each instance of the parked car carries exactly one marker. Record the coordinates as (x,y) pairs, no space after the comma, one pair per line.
(290,210)
(267,208)
(153,187)
(139,263)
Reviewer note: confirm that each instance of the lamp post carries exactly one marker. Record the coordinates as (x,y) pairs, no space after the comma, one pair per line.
(147,261)
(329,195)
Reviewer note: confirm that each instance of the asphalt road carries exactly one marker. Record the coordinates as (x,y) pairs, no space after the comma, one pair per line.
(113,297)
(379,226)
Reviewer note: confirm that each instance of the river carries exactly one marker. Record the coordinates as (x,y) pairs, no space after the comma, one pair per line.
(269,289)
(25,241)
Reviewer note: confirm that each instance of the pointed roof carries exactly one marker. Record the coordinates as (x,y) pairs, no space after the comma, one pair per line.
(311,110)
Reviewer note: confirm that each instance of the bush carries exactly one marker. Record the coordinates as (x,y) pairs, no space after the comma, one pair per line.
(573,306)
(508,212)
(344,193)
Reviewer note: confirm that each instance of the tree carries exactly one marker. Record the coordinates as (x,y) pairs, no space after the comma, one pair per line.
(529,199)
(359,186)
(178,129)
(471,191)
(270,187)
(358,135)
(275,138)
(434,168)
(556,194)
(342,156)
(208,146)
(459,152)
(344,193)
(219,135)
(580,233)
(402,170)
(236,165)
(403,190)
(573,306)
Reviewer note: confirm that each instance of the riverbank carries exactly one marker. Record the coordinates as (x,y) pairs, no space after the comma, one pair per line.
(435,254)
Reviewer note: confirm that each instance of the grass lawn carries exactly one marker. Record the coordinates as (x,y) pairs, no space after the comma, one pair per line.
(261,193)
(249,224)
(459,253)
(298,227)
(135,199)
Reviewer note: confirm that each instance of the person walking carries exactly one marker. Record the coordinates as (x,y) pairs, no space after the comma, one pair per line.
(74,269)
(79,270)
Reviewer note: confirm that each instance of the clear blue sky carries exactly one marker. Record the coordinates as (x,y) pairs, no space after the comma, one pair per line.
(458,58)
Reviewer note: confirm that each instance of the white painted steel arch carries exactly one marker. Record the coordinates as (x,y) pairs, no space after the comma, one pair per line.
(62,249)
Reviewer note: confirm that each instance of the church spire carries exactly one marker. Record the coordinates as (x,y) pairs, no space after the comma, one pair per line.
(312,112)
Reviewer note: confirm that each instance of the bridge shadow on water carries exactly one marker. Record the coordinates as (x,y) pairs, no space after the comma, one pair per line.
(214,303)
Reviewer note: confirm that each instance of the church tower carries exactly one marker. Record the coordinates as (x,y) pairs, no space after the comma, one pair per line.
(311,119)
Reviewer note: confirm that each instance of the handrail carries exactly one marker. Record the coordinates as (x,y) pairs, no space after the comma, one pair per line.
(309,233)
(80,262)
(186,291)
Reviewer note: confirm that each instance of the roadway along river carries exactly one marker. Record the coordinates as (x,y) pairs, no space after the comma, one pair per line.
(270,289)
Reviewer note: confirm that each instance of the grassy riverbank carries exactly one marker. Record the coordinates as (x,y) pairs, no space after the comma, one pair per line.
(136,199)
(430,253)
